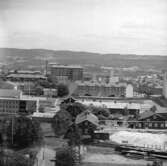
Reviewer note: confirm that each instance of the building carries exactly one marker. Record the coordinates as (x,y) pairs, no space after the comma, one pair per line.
(48,92)
(87,123)
(19,77)
(28,88)
(165,84)
(25,72)
(129,91)
(11,102)
(17,106)
(10,93)
(151,120)
(116,107)
(104,89)
(64,73)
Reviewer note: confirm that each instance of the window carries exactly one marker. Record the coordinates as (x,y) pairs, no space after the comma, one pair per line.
(139,125)
(86,131)
(150,124)
(162,125)
(155,125)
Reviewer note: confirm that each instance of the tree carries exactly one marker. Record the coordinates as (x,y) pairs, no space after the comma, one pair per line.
(61,122)
(153,108)
(73,135)
(74,109)
(101,113)
(46,83)
(23,132)
(62,90)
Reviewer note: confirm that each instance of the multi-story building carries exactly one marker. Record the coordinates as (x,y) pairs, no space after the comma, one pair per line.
(63,73)
(104,90)
(17,106)
(11,102)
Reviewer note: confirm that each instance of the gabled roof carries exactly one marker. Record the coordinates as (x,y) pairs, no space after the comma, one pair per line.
(8,93)
(162,110)
(87,116)
(146,114)
(159,112)
(69,99)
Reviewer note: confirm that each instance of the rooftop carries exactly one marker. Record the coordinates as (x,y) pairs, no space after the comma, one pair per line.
(26,76)
(24,72)
(89,83)
(65,66)
(17,99)
(150,113)
(9,93)
(113,105)
(87,116)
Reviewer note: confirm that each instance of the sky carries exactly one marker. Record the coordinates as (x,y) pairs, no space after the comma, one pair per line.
(104,26)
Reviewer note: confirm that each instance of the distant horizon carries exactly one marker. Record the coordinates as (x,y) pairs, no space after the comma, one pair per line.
(83,51)
(127,27)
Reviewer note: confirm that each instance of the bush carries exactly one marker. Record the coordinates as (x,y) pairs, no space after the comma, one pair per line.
(75,109)
(61,122)
(102,113)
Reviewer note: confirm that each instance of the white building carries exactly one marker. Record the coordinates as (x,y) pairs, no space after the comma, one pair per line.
(129,91)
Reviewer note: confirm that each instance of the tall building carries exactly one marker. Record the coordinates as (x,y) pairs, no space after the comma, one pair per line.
(64,73)
(165,84)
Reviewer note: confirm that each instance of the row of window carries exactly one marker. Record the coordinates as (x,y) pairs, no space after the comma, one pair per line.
(9,102)
(8,106)
(152,124)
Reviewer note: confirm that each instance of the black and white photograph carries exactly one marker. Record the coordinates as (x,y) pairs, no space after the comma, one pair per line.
(83,82)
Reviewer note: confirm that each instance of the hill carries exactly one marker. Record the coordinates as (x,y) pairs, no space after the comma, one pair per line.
(27,58)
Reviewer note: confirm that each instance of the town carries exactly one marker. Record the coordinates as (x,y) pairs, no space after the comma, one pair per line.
(68,115)
(83,83)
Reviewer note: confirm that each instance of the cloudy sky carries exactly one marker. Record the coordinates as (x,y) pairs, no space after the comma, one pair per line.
(106,26)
